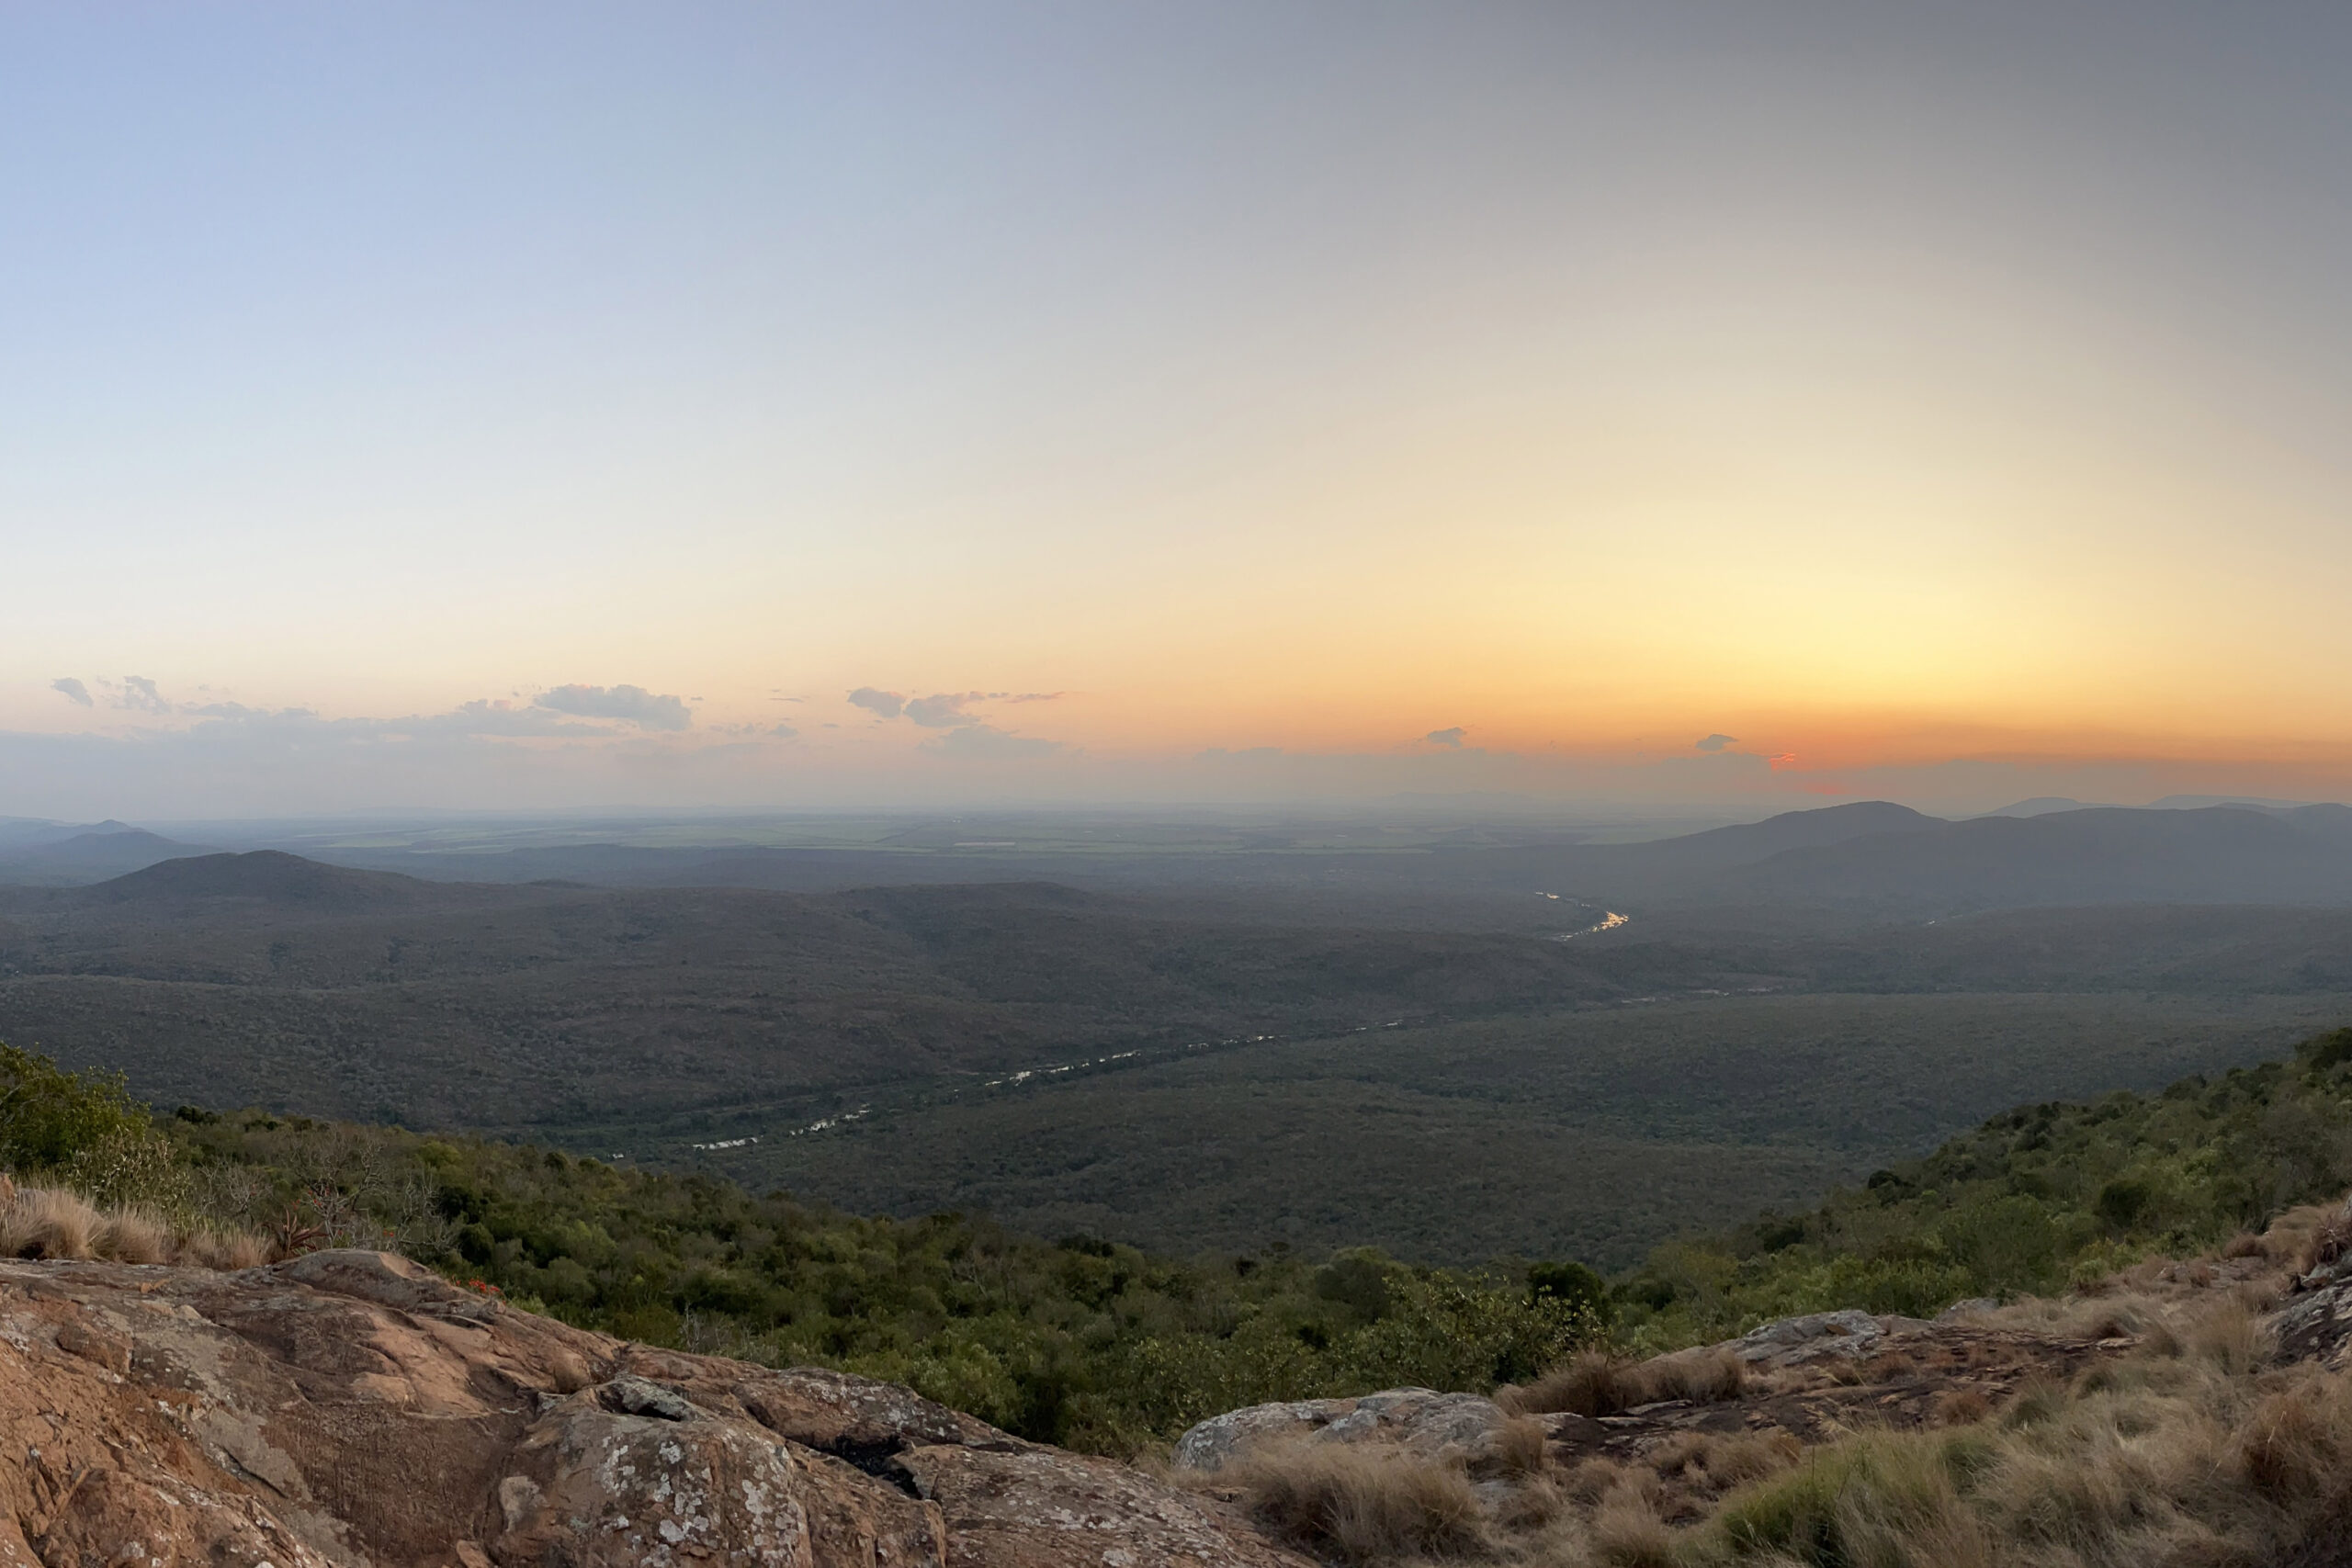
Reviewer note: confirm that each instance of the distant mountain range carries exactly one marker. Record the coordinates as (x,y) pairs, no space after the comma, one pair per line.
(1876,855)
(60,854)
(2105,855)
(1866,856)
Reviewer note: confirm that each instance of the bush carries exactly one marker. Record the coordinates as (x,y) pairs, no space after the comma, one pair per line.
(49,1115)
(131,1166)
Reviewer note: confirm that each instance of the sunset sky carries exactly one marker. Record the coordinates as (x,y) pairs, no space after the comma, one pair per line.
(758,405)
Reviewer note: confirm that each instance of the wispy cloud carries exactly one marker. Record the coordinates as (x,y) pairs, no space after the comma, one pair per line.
(966,733)
(630,705)
(1714,742)
(73,690)
(1450,738)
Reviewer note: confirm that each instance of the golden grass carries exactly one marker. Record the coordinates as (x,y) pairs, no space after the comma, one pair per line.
(1361,1504)
(56,1222)
(1594,1382)
(1628,1533)
(1703,1376)
(1519,1444)
(1590,1382)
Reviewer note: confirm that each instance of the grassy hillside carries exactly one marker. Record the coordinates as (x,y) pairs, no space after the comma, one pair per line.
(2036,1199)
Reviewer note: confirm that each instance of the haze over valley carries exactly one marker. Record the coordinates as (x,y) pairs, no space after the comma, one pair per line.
(1192,1033)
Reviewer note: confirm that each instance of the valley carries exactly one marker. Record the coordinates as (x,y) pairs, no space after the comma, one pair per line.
(1199,1060)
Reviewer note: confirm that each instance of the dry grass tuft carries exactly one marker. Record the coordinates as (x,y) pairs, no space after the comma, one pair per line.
(224,1250)
(1683,1454)
(2325,1242)
(1593,1479)
(1592,1383)
(1520,1445)
(58,1222)
(129,1236)
(49,1221)
(2289,1447)
(1703,1377)
(1533,1503)
(1752,1456)
(1361,1504)
(1628,1533)
(2227,1338)
(1961,1407)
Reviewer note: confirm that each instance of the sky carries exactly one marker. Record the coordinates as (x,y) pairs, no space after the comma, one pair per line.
(1754,402)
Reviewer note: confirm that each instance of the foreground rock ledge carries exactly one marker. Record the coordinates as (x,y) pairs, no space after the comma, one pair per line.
(351,1408)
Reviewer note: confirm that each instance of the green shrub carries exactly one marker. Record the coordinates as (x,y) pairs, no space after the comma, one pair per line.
(131,1168)
(49,1115)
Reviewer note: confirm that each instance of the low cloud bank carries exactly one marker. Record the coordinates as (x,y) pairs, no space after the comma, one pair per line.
(631,705)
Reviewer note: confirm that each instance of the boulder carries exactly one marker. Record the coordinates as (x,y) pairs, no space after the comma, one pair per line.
(351,1409)
(1417,1418)
(1790,1341)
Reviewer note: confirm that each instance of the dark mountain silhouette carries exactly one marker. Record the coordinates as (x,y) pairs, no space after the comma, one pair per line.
(2042,805)
(2105,855)
(269,876)
(1724,849)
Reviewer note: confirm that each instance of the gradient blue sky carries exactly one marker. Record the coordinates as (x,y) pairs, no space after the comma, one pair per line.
(1943,401)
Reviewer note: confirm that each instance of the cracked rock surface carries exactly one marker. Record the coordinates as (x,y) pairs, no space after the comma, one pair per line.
(352,1410)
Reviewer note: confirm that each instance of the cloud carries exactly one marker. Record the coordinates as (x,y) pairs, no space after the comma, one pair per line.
(1715,742)
(985,740)
(885,704)
(482,717)
(943,710)
(1245,754)
(633,704)
(74,691)
(940,710)
(784,731)
(1449,738)
(139,693)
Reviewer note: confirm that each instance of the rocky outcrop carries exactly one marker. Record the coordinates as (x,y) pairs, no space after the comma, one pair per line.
(350,1409)
(1418,1419)
(1791,1341)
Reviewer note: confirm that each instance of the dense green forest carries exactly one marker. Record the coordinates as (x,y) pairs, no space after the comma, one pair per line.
(1097,1345)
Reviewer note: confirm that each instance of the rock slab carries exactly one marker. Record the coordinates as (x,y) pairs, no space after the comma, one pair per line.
(353,1410)
(1418,1419)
